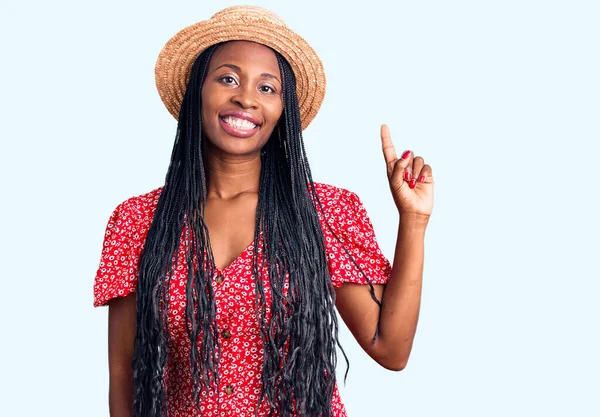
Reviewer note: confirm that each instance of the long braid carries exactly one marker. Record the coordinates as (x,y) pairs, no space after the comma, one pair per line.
(301,334)
(180,206)
(300,340)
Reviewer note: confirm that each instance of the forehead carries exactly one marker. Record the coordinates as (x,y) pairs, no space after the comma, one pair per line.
(247,55)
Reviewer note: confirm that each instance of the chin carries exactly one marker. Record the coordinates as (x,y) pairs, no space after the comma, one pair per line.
(236,146)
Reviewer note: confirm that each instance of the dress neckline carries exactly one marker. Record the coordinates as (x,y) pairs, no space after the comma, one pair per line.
(241,257)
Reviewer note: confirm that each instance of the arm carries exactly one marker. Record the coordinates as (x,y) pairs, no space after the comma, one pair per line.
(121,336)
(401,300)
(411,184)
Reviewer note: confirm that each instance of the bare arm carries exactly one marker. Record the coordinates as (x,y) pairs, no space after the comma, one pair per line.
(401,300)
(411,184)
(121,336)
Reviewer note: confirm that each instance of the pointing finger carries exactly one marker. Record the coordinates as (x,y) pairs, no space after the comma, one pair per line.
(389,152)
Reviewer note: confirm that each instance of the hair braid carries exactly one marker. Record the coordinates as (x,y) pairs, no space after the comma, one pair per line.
(299,328)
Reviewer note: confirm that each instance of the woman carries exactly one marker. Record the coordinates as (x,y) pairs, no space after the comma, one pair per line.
(177,267)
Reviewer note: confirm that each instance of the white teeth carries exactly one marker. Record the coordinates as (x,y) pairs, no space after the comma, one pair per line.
(239,123)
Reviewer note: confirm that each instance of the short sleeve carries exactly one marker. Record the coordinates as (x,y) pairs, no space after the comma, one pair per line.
(350,222)
(117,273)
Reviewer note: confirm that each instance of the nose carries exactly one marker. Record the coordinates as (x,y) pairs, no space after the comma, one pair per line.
(245,97)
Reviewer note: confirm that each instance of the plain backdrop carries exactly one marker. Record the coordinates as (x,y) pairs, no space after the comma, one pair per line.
(502,98)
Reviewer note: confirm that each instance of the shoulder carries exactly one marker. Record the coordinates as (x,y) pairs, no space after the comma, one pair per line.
(344,220)
(333,196)
(339,208)
(139,209)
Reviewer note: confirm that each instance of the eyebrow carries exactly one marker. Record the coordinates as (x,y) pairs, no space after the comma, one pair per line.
(236,68)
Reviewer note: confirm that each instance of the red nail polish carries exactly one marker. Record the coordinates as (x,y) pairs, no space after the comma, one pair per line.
(406,154)
(412,183)
(407,176)
(422,178)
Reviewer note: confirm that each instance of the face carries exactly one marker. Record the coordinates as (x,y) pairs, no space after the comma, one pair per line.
(241,98)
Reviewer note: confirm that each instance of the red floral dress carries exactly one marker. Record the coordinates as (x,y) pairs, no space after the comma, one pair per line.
(242,351)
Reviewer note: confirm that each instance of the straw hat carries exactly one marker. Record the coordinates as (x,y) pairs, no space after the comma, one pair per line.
(247,23)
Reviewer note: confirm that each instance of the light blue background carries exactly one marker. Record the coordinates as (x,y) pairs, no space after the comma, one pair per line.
(502,98)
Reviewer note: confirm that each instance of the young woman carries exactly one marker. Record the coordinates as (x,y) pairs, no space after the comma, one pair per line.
(222,282)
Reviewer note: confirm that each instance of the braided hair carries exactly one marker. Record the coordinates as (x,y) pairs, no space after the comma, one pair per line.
(301,336)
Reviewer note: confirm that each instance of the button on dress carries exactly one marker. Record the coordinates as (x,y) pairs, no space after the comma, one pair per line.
(242,351)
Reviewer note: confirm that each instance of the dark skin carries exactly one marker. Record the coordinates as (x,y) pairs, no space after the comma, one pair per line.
(245,76)
(241,76)
(121,336)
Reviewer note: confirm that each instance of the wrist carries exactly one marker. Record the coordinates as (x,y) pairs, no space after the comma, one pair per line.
(414,220)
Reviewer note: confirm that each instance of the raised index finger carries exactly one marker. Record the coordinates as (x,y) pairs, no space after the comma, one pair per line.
(389,153)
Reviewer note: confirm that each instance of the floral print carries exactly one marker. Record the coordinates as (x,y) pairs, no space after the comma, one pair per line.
(241,345)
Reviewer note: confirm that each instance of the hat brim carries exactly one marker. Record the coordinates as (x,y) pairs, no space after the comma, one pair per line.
(172,71)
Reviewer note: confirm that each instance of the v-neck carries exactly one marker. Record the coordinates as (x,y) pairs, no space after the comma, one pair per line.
(242,256)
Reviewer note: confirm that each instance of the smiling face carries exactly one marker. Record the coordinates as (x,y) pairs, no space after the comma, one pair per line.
(241,97)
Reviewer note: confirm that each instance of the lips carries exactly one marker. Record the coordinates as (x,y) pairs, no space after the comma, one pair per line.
(240,115)
(239,124)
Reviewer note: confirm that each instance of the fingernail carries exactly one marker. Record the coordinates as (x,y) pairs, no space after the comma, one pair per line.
(406,154)
(412,183)
(422,178)
(407,176)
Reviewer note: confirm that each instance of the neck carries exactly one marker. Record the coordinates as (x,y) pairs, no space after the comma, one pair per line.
(228,176)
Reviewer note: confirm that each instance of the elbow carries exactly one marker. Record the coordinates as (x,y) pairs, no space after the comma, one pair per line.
(395,366)
(396,362)
(394,359)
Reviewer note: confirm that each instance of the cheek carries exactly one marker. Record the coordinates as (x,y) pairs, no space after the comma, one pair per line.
(275,112)
(207,107)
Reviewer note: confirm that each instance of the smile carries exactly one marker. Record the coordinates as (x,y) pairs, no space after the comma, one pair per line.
(239,123)
(238,127)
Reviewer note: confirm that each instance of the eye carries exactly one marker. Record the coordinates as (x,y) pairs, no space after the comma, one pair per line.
(267,89)
(227,79)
